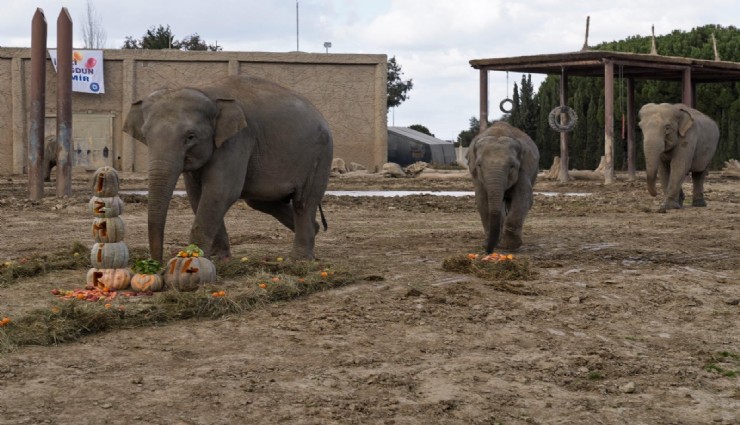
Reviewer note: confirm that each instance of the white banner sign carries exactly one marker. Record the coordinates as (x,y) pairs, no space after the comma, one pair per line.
(87,70)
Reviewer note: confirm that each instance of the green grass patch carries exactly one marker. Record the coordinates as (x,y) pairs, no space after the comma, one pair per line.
(595,376)
(73,258)
(243,286)
(724,363)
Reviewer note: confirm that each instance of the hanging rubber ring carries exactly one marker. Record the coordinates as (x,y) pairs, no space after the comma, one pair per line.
(503,108)
(554,119)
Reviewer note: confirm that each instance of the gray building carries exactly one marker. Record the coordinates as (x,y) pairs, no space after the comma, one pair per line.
(407,146)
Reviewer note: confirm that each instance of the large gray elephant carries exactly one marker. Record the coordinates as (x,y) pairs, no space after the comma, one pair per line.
(677,139)
(241,137)
(503,162)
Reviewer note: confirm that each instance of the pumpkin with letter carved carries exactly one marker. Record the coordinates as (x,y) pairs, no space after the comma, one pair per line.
(109,255)
(189,270)
(108,230)
(105,183)
(105,207)
(112,279)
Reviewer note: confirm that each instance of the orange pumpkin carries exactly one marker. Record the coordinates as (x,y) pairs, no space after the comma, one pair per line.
(108,230)
(147,282)
(109,255)
(188,273)
(113,279)
(105,207)
(105,183)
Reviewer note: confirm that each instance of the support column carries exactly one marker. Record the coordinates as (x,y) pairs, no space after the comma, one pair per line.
(128,151)
(687,94)
(563,175)
(483,99)
(631,153)
(38,107)
(64,104)
(609,122)
(18,105)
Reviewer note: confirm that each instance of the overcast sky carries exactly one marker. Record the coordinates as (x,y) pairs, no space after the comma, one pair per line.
(433,40)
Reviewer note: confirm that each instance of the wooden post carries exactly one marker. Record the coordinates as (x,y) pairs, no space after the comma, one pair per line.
(631,153)
(687,95)
(483,99)
(64,104)
(563,175)
(609,121)
(38,107)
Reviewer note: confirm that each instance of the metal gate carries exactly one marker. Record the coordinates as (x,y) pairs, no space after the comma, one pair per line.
(92,139)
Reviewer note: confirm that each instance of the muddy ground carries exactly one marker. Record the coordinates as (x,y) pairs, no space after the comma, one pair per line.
(633,318)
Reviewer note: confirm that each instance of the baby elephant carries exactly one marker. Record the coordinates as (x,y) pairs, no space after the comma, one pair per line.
(503,162)
(50,156)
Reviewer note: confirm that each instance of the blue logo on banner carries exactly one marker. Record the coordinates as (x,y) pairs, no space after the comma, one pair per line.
(94,87)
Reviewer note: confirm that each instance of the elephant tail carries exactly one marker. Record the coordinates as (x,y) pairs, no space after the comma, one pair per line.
(323,219)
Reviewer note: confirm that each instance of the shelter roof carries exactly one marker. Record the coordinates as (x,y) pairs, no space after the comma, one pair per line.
(590,63)
(418,136)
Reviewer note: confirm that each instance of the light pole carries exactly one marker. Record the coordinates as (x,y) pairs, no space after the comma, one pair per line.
(296,26)
(327,44)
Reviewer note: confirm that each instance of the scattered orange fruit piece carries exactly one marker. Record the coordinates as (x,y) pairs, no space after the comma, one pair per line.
(5,321)
(263,285)
(324,274)
(276,279)
(107,306)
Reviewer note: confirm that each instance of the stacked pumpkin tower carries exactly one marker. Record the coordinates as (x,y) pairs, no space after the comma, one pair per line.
(109,255)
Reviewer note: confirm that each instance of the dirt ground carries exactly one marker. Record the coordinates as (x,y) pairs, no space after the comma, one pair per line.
(633,317)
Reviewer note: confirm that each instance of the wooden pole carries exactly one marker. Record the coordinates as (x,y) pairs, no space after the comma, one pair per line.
(38,107)
(64,104)
(631,153)
(483,99)
(686,92)
(609,121)
(563,175)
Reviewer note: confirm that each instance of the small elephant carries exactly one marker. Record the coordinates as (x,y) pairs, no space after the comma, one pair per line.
(503,162)
(677,139)
(50,156)
(240,138)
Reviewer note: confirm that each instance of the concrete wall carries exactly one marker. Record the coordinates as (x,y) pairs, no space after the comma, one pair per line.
(350,90)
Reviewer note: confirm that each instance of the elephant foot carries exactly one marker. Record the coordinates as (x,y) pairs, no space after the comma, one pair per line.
(511,242)
(669,205)
(699,202)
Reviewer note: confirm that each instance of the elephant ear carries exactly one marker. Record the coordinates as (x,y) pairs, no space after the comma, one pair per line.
(134,121)
(685,121)
(229,121)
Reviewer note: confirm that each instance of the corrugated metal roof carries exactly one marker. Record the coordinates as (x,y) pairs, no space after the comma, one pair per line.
(417,135)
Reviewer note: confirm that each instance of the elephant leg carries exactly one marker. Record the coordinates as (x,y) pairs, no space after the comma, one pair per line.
(481,202)
(517,207)
(219,246)
(672,190)
(697,178)
(305,232)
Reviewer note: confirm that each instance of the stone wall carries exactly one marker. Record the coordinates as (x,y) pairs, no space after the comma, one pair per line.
(350,90)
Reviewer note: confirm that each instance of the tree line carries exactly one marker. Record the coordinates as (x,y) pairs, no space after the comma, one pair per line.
(721,101)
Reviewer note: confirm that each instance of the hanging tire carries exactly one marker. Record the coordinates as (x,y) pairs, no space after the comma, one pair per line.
(503,108)
(554,119)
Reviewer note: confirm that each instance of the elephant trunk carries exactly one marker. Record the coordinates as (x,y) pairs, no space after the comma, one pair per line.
(496,189)
(653,152)
(163,177)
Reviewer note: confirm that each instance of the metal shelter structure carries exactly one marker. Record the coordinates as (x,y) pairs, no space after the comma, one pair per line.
(594,63)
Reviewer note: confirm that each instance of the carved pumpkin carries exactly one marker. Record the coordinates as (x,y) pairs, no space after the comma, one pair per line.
(113,279)
(147,282)
(105,207)
(109,255)
(108,230)
(188,273)
(105,182)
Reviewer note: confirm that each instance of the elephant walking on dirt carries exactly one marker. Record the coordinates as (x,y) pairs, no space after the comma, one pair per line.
(677,139)
(503,162)
(241,138)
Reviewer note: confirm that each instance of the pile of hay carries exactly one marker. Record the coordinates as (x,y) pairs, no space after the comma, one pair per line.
(510,269)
